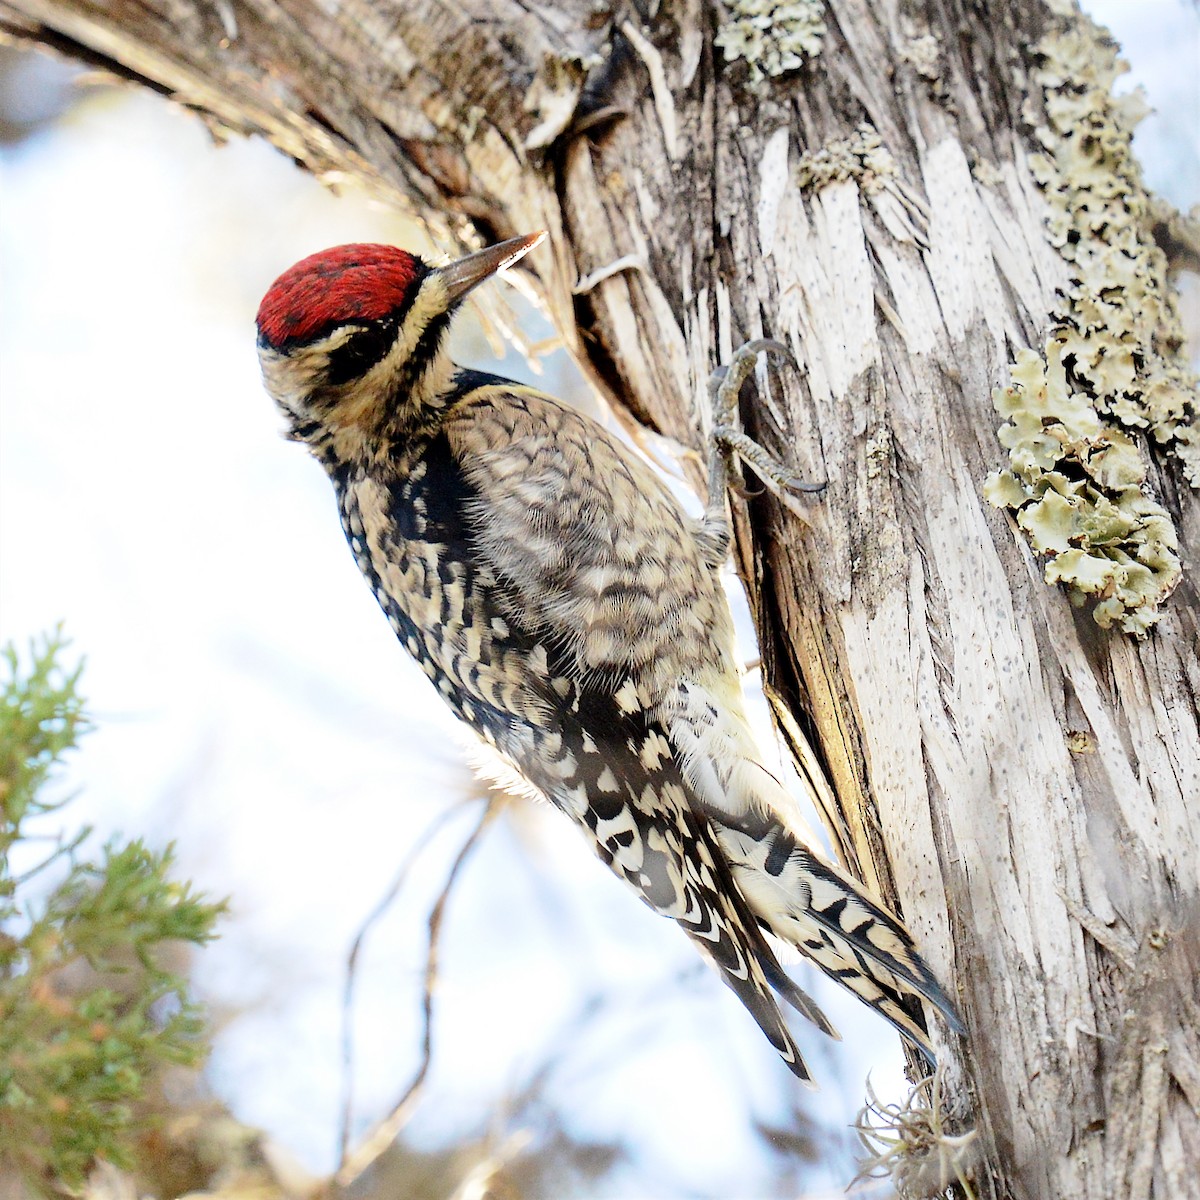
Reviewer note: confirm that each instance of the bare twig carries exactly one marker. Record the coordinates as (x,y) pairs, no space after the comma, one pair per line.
(479,1181)
(385,902)
(384,1133)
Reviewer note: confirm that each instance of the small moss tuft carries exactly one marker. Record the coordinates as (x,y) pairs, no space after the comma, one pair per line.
(911,1144)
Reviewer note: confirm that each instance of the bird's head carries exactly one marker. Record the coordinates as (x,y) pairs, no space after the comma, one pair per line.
(350,339)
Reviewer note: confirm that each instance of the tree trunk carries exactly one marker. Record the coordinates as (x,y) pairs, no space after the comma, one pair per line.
(909,204)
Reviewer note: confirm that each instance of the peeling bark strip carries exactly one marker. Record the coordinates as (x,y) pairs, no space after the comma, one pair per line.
(1023,783)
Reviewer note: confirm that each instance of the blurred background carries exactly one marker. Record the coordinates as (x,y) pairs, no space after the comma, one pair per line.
(253,706)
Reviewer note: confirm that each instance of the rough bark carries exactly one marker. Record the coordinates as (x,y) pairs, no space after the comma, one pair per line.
(1013,777)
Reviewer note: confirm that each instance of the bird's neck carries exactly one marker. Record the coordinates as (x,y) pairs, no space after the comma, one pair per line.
(362,432)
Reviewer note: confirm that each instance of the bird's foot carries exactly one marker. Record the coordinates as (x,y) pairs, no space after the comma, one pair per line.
(732,447)
(724,387)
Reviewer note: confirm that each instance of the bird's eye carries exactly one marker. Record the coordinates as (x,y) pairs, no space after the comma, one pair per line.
(360,351)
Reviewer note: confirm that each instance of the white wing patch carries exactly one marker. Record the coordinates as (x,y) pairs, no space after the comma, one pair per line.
(722,762)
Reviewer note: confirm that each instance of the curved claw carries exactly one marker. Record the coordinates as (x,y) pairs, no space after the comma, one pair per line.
(794,483)
(743,491)
(788,483)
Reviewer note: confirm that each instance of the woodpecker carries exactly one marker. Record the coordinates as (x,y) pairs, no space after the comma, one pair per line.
(571,613)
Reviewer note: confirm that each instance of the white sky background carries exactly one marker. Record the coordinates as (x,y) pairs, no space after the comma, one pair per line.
(254,706)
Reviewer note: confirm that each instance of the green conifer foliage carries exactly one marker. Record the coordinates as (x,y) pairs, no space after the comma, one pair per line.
(90,1007)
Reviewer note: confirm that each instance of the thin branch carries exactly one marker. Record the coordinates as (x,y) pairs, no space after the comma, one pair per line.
(385,902)
(385,1132)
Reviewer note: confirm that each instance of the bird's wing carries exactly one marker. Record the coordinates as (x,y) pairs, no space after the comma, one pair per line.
(593,550)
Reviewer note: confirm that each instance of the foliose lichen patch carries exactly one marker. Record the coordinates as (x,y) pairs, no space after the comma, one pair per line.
(1075,483)
(772,36)
(1114,356)
(862,156)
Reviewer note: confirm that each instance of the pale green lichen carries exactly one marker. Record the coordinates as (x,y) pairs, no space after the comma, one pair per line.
(924,55)
(862,156)
(1079,741)
(1117,326)
(1113,357)
(772,36)
(1075,483)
